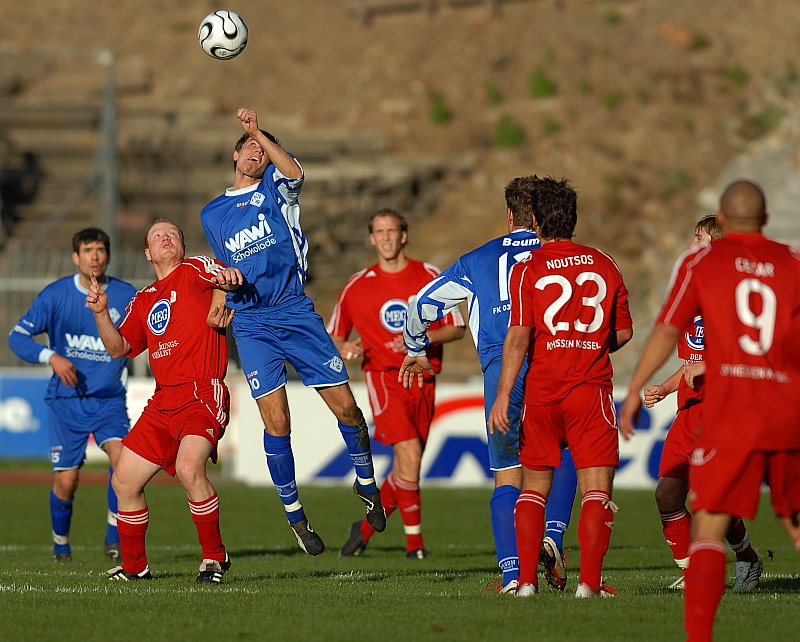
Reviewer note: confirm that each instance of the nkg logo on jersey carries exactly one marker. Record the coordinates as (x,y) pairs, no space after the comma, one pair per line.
(393,315)
(250,240)
(158,317)
(696,341)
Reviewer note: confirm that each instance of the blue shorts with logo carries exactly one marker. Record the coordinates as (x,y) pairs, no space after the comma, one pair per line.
(71,420)
(503,448)
(267,338)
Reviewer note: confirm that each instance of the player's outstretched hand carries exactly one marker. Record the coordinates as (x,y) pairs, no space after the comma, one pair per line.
(498,415)
(228,278)
(654,394)
(220,316)
(414,367)
(96,299)
(692,372)
(352,349)
(65,370)
(629,415)
(249,120)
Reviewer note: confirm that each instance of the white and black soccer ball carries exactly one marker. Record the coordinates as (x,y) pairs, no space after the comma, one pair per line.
(223,35)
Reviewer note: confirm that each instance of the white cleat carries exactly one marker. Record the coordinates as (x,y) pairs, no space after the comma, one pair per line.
(584,590)
(748,575)
(678,584)
(526,590)
(510,588)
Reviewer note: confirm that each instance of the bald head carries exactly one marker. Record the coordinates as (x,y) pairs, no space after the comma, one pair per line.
(743,207)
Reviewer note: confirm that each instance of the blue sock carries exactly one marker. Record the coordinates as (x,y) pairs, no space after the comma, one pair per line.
(356,439)
(560,500)
(60,518)
(504,499)
(280,462)
(112,535)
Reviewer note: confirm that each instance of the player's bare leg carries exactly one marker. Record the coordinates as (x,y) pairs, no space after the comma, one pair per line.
(112,448)
(676,521)
(65,484)
(529,525)
(705,577)
(274,409)
(190,469)
(594,527)
(132,474)
(355,433)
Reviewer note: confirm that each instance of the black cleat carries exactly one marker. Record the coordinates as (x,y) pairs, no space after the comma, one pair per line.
(119,573)
(309,541)
(211,571)
(62,558)
(417,554)
(112,552)
(355,543)
(376,516)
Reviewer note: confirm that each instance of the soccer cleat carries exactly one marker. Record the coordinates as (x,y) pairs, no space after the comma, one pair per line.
(417,554)
(584,590)
(376,516)
(112,552)
(211,571)
(309,541)
(748,575)
(678,584)
(526,590)
(510,588)
(355,543)
(553,563)
(119,573)
(61,558)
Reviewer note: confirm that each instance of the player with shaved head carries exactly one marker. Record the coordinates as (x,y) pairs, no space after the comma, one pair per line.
(750,427)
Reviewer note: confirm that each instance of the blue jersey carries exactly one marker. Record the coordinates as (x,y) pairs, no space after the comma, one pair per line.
(60,310)
(257,230)
(480,278)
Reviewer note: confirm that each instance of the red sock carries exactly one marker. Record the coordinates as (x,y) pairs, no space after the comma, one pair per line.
(677,531)
(739,540)
(408,501)
(132,525)
(205,515)
(705,583)
(389,501)
(594,533)
(529,524)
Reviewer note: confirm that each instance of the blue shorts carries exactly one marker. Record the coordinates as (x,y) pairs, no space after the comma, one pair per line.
(503,449)
(71,421)
(267,338)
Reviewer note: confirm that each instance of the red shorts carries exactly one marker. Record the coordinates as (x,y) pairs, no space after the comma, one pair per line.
(679,445)
(585,421)
(201,408)
(723,480)
(399,413)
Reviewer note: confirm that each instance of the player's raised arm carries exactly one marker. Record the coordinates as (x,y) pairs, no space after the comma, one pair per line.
(287,165)
(114,342)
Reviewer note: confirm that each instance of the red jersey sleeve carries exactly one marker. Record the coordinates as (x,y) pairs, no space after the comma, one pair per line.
(341,321)
(204,269)
(133,329)
(519,292)
(622,313)
(682,304)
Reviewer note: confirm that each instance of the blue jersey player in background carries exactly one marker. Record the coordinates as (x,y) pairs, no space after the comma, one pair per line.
(480,278)
(255,227)
(86,395)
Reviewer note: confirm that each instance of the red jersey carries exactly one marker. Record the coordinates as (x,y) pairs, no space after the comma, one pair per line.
(747,289)
(573,297)
(374,302)
(168,318)
(690,349)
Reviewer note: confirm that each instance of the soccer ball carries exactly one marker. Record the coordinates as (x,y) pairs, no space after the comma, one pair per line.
(223,35)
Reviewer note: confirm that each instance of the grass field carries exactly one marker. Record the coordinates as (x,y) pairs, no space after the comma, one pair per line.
(276,591)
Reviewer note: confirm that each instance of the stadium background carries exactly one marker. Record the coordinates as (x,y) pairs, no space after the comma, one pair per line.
(113,116)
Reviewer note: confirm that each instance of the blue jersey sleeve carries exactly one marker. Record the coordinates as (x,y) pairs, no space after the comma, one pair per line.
(33,322)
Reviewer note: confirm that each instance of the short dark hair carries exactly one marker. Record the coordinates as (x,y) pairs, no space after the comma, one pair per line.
(710,225)
(244,137)
(387,211)
(555,207)
(91,235)
(518,200)
(156,222)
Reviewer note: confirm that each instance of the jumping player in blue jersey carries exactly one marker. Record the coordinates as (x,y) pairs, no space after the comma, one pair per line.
(255,227)
(480,278)
(86,395)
